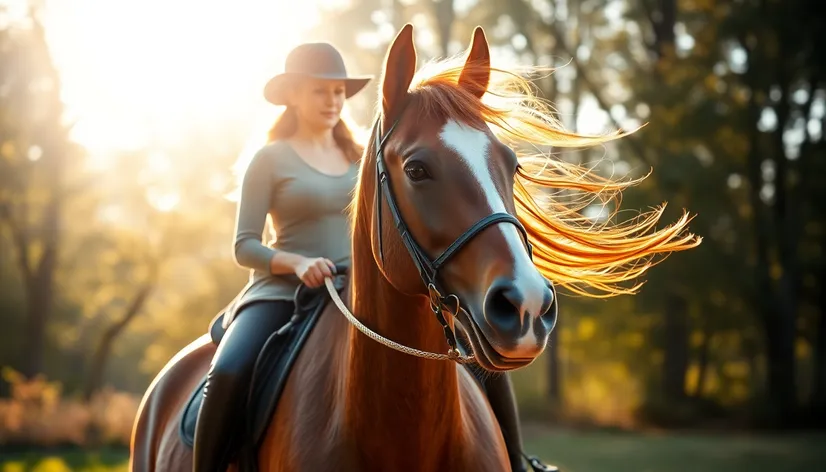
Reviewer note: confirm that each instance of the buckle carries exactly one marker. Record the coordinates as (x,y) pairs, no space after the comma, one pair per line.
(438,302)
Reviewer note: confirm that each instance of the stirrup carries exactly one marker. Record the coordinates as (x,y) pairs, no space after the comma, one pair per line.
(538,466)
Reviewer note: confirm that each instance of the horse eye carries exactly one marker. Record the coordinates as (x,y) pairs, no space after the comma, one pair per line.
(416,172)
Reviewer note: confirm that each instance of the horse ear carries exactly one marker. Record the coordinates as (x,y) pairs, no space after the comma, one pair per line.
(475,75)
(399,68)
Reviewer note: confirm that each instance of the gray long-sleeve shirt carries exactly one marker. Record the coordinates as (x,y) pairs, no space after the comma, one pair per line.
(308,213)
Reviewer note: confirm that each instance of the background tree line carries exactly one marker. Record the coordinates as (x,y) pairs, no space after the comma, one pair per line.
(108,269)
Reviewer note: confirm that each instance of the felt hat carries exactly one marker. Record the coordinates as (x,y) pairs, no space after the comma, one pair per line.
(318,60)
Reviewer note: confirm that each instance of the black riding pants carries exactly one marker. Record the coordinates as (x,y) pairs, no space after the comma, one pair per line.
(228,382)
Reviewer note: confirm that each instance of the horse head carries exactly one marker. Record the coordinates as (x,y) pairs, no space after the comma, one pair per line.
(452,187)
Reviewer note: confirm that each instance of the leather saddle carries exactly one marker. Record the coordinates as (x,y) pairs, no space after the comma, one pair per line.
(272,367)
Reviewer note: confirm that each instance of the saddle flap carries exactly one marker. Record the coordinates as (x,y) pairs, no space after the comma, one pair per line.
(272,368)
(275,362)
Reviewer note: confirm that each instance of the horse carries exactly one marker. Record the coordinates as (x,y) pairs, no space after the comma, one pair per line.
(454,235)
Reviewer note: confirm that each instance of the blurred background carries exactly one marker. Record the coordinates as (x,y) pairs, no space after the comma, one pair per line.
(122,122)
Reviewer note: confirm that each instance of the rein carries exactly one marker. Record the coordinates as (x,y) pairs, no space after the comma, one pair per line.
(428,269)
(452,355)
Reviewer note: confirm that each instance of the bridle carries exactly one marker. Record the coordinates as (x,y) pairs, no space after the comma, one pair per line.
(428,269)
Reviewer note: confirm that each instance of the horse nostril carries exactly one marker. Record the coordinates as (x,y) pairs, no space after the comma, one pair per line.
(512,309)
(504,305)
(500,302)
(515,312)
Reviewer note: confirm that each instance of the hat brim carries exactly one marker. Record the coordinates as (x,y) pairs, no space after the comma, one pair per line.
(277,89)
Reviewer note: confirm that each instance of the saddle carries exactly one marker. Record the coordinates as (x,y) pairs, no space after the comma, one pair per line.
(272,367)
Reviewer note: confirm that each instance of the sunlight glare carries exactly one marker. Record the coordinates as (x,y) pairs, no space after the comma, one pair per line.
(13,12)
(144,73)
(162,201)
(158,163)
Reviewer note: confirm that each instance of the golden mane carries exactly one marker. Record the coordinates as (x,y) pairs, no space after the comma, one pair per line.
(584,256)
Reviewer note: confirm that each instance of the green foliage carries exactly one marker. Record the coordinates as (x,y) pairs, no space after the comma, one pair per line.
(704,343)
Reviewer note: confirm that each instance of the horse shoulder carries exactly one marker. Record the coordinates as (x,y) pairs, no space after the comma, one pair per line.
(306,432)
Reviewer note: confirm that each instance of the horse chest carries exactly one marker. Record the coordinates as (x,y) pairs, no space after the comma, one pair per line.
(323,441)
(399,440)
(336,416)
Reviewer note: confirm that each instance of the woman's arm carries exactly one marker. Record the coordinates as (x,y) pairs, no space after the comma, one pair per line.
(284,262)
(253,206)
(251,216)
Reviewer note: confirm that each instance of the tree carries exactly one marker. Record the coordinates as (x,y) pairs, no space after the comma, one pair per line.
(36,158)
(123,262)
(784,74)
(675,64)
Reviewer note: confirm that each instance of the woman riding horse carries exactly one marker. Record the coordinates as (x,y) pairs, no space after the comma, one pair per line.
(446,221)
(302,179)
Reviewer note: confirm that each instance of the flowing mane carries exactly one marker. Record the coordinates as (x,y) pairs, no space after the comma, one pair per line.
(584,256)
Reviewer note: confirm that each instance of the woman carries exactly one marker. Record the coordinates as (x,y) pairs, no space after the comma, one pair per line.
(303,180)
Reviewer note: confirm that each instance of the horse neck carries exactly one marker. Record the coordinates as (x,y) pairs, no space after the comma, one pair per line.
(392,394)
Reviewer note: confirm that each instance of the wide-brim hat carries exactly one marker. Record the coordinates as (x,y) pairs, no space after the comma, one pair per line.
(317,60)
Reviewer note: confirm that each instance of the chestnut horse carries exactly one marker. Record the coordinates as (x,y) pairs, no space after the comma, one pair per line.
(436,178)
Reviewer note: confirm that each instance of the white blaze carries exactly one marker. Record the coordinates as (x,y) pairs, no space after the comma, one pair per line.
(473,147)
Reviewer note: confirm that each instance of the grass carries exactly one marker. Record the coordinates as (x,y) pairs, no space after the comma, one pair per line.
(64,460)
(672,452)
(572,451)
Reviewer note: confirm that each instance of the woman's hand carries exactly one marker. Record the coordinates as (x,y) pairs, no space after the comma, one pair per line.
(313,270)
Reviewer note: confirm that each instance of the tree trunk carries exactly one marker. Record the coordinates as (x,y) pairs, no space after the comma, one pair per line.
(396,14)
(819,395)
(554,377)
(703,360)
(578,34)
(675,337)
(781,366)
(97,367)
(787,244)
(38,305)
(445,17)
(34,223)
(39,287)
(777,305)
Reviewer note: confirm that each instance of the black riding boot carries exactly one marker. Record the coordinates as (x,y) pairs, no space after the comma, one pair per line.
(223,408)
(503,403)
